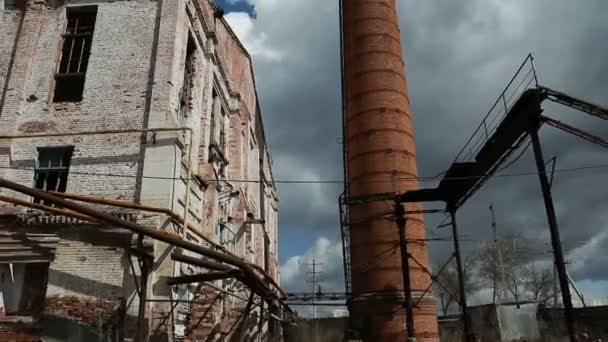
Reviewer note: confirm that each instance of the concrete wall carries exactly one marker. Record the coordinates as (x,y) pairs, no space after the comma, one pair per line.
(528,322)
(590,324)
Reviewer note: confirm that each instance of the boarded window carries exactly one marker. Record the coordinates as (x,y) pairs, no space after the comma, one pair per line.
(52,169)
(75,53)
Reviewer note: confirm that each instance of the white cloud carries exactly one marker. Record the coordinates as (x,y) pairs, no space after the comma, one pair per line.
(328,254)
(255,41)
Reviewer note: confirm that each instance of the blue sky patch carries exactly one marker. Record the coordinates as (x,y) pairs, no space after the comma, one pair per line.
(237,6)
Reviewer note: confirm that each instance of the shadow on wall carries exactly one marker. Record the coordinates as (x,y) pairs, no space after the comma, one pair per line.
(57,329)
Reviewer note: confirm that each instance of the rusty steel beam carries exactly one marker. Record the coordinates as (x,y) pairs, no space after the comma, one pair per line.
(575,131)
(171,214)
(128,205)
(205,263)
(43,207)
(198,278)
(253,280)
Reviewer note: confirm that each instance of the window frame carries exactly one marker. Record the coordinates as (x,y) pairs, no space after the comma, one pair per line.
(64,75)
(63,155)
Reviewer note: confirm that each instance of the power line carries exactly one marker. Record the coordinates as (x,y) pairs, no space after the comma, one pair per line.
(302,181)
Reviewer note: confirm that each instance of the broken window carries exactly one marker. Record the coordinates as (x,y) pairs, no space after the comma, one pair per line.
(185,97)
(22,288)
(77,40)
(52,167)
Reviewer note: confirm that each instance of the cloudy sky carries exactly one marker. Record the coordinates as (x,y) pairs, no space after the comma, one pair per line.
(459,56)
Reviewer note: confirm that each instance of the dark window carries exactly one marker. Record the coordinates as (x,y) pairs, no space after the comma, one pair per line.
(222,141)
(214,101)
(52,169)
(77,41)
(10,4)
(186,92)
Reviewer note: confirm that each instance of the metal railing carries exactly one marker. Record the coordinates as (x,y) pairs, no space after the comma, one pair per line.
(524,79)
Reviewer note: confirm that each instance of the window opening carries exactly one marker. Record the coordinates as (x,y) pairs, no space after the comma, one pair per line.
(77,41)
(214,102)
(52,167)
(222,141)
(188,83)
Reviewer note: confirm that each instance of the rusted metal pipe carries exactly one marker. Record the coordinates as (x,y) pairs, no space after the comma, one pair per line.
(200,262)
(258,284)
(129,205)
(171,214)
(42,207)
(197,278)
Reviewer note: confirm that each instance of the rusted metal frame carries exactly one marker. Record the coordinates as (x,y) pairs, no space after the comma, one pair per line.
(137,290)
(125,131)
(197,278)
(407,289)
(144,265)
(529,57)
(258,283)
(248,309)
(204,263)
(580,296)
(171,214)
(575,131)
(573,102)
(122,204)
(46,208)
(433,280)
(553,228)
(426,270)
(468,331)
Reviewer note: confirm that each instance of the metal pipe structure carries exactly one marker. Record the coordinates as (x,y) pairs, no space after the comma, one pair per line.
(250,277)
(468,332)
(172,215)
(405,266)
(129,205)
(558,254)
(381,147)
(126,131)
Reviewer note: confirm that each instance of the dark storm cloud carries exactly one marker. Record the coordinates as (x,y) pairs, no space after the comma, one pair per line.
(459,56)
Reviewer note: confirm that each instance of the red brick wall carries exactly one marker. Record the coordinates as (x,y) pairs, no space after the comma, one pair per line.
(85,310)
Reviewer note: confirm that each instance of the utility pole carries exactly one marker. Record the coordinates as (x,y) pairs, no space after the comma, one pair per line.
(499,254)
(314,281)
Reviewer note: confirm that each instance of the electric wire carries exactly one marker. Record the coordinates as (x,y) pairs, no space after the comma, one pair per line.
(304,181)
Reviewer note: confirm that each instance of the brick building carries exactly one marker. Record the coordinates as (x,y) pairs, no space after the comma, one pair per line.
(146,102)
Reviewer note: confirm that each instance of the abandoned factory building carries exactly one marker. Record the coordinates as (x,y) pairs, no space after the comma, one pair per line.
(145,111)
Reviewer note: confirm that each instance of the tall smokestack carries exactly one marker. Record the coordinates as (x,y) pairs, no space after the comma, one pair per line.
(381,148)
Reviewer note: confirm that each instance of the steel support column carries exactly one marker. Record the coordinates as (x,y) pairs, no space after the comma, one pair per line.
(143,289)
(468,333)
(407,289)
(555,240)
